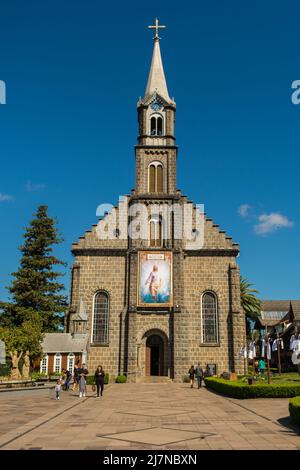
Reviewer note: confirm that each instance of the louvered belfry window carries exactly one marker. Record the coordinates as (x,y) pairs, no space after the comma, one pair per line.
(156,177)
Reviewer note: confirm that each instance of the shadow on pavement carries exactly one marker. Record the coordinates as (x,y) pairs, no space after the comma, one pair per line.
(287,423)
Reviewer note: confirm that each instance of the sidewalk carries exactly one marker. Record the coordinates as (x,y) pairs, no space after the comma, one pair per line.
(148,416)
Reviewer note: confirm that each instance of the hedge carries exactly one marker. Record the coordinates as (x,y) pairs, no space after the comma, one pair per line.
(90,380)
(121,379)
(261,390)
(294,409)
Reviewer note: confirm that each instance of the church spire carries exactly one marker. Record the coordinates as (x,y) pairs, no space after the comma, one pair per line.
(157,81)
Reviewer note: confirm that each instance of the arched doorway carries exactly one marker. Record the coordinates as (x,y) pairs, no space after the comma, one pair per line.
(154,360)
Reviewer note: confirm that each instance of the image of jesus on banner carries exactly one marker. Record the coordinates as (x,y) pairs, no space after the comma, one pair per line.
(155,283)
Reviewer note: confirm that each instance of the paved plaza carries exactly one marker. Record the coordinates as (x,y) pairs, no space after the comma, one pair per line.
(144,416)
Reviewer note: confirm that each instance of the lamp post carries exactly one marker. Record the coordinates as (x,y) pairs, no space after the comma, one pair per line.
(278,352)
(268,362)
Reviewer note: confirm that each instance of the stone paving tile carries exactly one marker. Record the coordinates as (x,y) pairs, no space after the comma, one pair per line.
(231,424)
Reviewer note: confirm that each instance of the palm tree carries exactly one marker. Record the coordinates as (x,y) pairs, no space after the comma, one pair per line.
(250,302)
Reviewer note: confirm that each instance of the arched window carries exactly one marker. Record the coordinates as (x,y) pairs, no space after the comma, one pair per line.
(57,363)
(155,232)
(44,364)
(153,126)
(209,319)
(155,177)
(100,318)
(159,123)
(152,178)
(71,362)
(159,178)
(156,125)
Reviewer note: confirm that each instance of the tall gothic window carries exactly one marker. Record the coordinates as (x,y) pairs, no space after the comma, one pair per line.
(71,362)
(57,363)
(156,125)
(209,319)
(155,177)
(44,364)
(100,318)
(155,231)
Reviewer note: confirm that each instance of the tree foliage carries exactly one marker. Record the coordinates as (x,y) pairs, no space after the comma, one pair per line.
(36,303)
(249,300)
(35,290)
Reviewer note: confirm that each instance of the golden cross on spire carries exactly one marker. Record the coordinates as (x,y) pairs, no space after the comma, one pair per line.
(156,27)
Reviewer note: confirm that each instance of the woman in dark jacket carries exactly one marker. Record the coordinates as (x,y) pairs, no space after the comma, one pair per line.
(99,380)
(192,376)
(76,376)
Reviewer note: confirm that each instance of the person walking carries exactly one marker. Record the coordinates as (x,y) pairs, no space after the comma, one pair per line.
(57,389)
(76,376)
(68,377)
(99,380)
(199,375)
(261,366)
(83,372)
(192,376)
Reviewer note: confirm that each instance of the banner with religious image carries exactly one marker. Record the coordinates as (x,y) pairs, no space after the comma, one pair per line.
(155,283)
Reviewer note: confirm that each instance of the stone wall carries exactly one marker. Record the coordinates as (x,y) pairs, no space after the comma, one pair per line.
(104,273)
(203,274)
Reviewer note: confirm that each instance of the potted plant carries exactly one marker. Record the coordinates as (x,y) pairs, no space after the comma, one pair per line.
(251,380)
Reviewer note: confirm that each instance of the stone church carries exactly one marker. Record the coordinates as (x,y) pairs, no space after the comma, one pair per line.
(150,301)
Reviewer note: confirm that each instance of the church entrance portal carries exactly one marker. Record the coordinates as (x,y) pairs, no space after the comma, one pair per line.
(154,356)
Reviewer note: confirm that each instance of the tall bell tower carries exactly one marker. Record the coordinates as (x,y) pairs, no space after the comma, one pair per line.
(156,151)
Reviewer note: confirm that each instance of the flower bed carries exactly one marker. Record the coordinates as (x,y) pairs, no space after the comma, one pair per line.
(237,389)
(294,409)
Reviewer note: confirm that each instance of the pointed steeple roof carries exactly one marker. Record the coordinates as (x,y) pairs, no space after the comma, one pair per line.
(157,80)
(81,315)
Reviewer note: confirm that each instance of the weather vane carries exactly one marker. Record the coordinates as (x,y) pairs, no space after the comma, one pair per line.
(156,27)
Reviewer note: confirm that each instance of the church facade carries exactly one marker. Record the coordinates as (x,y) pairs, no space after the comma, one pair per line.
(154,296)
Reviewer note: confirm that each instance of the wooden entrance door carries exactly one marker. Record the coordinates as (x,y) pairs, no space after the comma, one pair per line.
(147,360)
(154,360)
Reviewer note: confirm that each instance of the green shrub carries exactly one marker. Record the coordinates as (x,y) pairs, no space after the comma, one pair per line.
(54,377)
(4,370)
(186,379)
(294,409)
(90,380)
(121,379)
(38,375)
(236,389)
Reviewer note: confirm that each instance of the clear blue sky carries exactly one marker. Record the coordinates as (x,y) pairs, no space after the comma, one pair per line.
(74,71)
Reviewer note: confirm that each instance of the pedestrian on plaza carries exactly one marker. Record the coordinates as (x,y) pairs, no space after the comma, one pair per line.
(76,376)
(57,389)
(83,372)
(68,376)
(261,366)
(99,380)
(208,372)
(192,376)
(199,374)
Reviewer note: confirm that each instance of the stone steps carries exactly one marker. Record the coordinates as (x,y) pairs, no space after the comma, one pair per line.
(154,379)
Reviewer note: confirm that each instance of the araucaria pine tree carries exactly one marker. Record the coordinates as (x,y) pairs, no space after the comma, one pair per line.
(35,293)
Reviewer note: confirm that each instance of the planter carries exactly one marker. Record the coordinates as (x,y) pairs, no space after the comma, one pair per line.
(251,380)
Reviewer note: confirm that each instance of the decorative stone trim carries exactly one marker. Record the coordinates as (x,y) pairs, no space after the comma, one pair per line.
(212,252)
(99,251)
(153,330)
